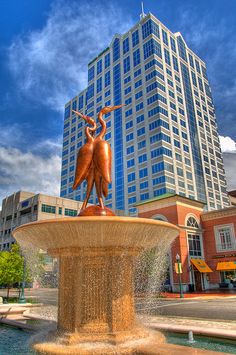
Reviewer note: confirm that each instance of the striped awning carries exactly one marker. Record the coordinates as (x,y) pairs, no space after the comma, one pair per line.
(201,265)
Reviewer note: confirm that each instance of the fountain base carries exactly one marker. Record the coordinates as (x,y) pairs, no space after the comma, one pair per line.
(136,344)
(96,211)
(154,344)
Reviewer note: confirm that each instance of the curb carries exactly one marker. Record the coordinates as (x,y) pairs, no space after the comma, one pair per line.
(216,332)
(196,298)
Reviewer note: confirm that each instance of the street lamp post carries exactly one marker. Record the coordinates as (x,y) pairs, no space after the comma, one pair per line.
(22,295)
(181,294)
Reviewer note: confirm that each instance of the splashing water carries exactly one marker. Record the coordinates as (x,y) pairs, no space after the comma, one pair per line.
(41,270)
(151,272)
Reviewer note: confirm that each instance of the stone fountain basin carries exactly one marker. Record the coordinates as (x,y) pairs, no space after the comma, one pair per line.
(96,279)
(95,232)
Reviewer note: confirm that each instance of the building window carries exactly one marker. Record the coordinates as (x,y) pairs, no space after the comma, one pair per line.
(60,210)
(107,60)
(126,65)
(126,45)
(143,173)
(165,37)
(160,217)
(135,38)
(99,85)
(150,27)
(172,43)
(194,245)
(224,236)
(143,185)
(131,189)
(48,209)
(136,57)
(141,144)
(107,80)
(131,177)
(132,200)
(69,212)
(67,112)
(91,73)
(130,163)
(151,47)
(116,49)
(167,56)
(130,150)
(191,222)
(144,196)
(99,66)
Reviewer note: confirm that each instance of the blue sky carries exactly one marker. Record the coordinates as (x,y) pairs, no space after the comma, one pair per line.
(44,50)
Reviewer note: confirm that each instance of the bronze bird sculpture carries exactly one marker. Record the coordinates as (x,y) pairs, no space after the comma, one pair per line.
(94,158)
(84,165)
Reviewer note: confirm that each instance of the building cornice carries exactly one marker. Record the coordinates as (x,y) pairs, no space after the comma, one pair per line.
(226,212)
(168,201)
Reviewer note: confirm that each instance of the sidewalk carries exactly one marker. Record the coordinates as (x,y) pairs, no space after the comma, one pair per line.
(219,329)
(209,294)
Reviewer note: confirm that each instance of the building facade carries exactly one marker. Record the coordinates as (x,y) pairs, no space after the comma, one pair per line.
(25,207)
(165,139)
(206,243)
(232,197)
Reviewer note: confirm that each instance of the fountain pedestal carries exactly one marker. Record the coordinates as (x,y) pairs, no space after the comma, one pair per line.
(96,293)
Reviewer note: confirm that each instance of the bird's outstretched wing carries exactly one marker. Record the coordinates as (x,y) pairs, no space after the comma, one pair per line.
(102,159)
(84,161)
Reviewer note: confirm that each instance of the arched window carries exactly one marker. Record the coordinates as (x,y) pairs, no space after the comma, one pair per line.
(191,222)
(160,217)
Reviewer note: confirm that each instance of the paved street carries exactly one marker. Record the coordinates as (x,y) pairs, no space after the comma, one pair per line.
(45,296)
(215,309)
(218,309)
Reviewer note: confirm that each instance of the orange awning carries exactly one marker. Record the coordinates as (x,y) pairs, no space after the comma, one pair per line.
(201,265)
(226,265)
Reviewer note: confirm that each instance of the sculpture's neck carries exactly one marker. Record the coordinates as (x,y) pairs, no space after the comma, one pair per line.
(103,124)
(89,132)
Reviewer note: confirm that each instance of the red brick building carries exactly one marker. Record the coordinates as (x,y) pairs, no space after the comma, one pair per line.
(206,244)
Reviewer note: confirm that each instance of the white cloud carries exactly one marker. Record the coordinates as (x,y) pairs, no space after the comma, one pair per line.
(228,145)
(50,65)
(29,172)
(48,146)
(11,135)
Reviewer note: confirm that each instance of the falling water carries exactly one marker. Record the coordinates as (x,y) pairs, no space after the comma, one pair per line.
(40,268)
(151,272)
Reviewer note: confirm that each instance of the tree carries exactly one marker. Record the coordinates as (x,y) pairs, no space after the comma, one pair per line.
(11,267)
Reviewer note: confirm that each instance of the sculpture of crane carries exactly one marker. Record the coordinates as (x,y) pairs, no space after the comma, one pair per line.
(84,165)
(94,158)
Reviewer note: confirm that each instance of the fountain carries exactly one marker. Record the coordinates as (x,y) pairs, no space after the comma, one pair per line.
(190,337)
(96,252)
(96,295)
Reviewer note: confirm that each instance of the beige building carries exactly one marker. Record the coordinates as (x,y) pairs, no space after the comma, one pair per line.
(232,197)
(24,207)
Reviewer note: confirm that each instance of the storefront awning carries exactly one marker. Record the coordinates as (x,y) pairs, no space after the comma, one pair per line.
(226,265)
(201,265)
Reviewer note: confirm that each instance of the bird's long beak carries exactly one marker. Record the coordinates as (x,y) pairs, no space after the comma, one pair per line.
(115,107)
(86,118)
(79,114)
(107,109)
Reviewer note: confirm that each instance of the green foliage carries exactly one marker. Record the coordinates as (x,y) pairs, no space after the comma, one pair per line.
(11,266)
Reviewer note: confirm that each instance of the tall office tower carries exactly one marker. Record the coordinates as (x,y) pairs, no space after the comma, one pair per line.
(165,139)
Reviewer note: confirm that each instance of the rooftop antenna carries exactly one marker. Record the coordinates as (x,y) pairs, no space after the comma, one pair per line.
(142,15)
